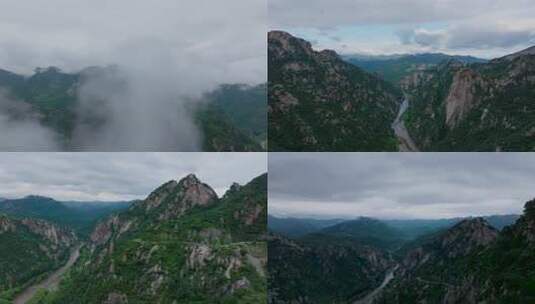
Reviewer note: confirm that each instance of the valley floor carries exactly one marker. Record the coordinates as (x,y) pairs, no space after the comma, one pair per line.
(373,295)
(406,142)
(51,282)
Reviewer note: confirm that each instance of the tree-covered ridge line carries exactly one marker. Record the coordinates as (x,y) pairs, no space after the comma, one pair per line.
(434,261)
(182,244)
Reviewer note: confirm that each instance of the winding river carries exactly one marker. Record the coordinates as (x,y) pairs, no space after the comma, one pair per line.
(51,282)
(372,295)
(406,142)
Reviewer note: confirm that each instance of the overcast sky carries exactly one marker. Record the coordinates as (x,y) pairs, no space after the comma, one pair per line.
(119,176)
(415,185)
(225,37)
(485,28)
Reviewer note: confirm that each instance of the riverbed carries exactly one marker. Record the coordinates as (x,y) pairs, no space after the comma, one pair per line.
(406,144)
(372,295)
(51,282)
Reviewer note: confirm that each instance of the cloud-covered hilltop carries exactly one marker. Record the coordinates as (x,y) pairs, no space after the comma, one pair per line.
(157,65)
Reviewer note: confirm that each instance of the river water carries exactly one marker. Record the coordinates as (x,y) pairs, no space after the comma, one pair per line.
(371,296)
(406,142)
(51,282)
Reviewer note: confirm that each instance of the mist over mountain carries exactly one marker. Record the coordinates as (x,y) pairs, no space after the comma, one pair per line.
(83,81)
(119,108)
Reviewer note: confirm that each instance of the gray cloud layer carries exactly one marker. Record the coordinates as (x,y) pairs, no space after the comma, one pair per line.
(465,25)
(431,185)
(119,176)
(168,53)
(225,38)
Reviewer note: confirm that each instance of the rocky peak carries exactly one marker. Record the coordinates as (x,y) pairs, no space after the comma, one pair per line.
(283,44)
(196,192)
(329,54)
(173,197)
(526,52)
(529,209)
(525,226)
(467,235)
(189,181)
(235,187)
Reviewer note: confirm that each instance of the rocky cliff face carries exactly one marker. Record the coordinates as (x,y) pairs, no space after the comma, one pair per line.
(483,106)
(181,244)
(318,102)
(29,248)
(460,99)
(469,263)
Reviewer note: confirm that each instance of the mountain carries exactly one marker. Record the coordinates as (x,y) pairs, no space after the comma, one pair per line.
(528,51)
(303,272)
(295,227)
(51,96)
(182,244)
(414,228)
(469,263)
(245,107)
(318,102)
(29,248)
(395,68)
(79,216)
(474,107)
(394,261)
(364,231)
(408,229)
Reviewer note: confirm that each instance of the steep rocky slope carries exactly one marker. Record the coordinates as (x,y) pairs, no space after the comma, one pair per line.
(322,272)
(477,107)
(318,102)
(470,263)
(29,248)
(182,244)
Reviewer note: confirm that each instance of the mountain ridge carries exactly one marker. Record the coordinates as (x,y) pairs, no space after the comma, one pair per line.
(315,97)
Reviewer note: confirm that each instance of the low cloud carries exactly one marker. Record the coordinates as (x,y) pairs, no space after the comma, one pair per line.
(20,128)
(399,186)
(470,36)
(165,56)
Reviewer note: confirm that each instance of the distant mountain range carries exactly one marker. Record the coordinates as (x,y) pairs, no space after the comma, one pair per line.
(466,261)
(79,216)
(319,101)
(407,228)
(182,244)
(395,68)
